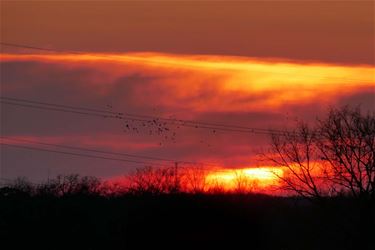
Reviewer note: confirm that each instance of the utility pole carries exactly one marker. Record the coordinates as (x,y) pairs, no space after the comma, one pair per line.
(1,168)
(176,181)
(48,176)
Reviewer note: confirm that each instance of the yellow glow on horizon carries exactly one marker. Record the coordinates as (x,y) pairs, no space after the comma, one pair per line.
(253,178)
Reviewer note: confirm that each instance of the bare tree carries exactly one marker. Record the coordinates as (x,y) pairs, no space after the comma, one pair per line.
(151,180)
(347,145)
(337,154)
(241,182)
(296,153)
(194,179)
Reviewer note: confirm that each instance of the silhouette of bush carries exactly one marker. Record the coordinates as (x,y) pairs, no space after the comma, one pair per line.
(70,185)
(19,187)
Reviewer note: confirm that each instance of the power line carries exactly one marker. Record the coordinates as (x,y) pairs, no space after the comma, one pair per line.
(176,122)
(93,156)
(77,148)
(135,117)
(17,45)
(103,151)
(57,109)
(76,154)
(23,46)
(59,105)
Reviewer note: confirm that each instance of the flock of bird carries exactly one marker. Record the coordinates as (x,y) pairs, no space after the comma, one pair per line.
(165,130)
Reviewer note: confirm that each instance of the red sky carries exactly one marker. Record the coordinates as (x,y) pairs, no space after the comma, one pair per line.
(255,64)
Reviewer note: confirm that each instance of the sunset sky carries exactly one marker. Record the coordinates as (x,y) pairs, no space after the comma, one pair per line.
(257,64)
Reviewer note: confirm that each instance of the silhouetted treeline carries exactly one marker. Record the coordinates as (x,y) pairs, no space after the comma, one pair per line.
(73,212)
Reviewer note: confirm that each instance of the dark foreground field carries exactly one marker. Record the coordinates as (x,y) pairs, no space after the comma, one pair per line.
(181,221)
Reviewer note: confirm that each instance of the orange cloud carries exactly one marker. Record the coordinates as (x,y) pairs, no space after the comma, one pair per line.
(238,83)
(221,89)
